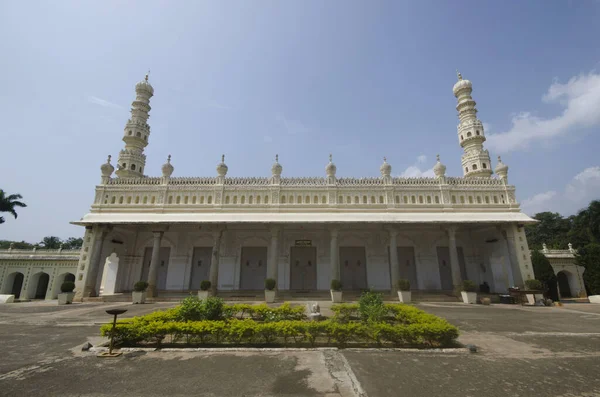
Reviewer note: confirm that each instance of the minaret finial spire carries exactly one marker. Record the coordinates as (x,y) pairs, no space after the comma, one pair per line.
(147,74)
(437,156)
(458,74)
(276,158)
(330,158)
(222,158)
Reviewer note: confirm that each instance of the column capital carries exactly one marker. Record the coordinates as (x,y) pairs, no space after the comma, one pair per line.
(392,229)
(274,229)
(451,230)
(157,234)
(158,228)
(334,231)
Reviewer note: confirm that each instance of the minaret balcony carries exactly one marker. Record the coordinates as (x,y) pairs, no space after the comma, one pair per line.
(466,141)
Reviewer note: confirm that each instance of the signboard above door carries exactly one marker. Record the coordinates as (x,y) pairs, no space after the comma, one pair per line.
(303,243)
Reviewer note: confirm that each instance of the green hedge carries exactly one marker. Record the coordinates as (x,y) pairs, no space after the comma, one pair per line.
(244,324)
(283,333)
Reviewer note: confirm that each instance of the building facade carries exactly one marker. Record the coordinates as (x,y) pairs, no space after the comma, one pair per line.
(175,232)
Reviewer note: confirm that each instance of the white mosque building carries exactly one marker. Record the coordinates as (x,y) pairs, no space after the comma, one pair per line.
(175,232)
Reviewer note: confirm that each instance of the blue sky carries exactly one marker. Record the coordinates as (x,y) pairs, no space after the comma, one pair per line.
(359,79)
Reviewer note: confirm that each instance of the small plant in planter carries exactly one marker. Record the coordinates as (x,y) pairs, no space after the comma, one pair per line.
(468,292)
(204,289)
(404,293)
(336,291)
(67,294)
(270,290)
(139,292)
(536,288)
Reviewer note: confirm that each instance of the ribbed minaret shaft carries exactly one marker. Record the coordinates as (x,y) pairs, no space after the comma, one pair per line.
(132,159)
(471,135)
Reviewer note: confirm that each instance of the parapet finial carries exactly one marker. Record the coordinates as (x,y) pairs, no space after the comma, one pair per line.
(499,159)
(169,159)
(437,156)
(330,158)
(108,159)
(276,158)
(458,74)
(222,158)
(147,74)
(384,159)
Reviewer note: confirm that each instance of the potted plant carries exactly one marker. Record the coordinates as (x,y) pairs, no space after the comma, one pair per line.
(535,287)
(66,297)
(468,292)
(336,291)
(404,290)
(204,289)
(139,292)
(270,290)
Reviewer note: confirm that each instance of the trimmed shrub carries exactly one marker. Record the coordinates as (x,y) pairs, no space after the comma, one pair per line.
(343,312)
(270,284)
(370,307)
(140,286)
(468,286)
(194,309)
(67,286)
(336,285)
(403,285)
(533,284)
(205,285)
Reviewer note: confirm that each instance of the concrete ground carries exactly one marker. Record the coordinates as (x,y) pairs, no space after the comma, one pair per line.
(522,351)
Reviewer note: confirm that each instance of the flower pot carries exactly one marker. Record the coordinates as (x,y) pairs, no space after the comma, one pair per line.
(336,296)
(469,297)
(404,296)
(269,296)
(203,295)
(65,298)
(138,297)
(594,298)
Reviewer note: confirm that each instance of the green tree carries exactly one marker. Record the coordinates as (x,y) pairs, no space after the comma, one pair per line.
(51,242)
(552,229)
(21,245)
(9,203)
(541,267)
(589,257)
(73,243)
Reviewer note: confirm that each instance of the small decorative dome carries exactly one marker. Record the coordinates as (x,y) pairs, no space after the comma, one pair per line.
(461,84)
(167,168)
(331,168)
(145,85)
(107,168)
(439,169)
(276,168)
(385,169)
(501,168)
(222,167)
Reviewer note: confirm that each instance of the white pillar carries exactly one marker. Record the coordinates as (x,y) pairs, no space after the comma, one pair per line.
(92,273)
(214,261)
(508,263)
(334,254)
(394,266)
(454,265)
(272,265)
(153,271)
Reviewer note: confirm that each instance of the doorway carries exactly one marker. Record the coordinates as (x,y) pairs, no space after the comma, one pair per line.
(253,268)
(163,266)
(15,283)
(443,254)
(353,268)
(563,284)
(303,272)
(42,286)
(406,262)
(201,260)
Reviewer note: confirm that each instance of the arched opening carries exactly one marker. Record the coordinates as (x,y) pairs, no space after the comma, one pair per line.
(258,199)
(348,200)
(282,199)
(178,200)
(138,134)
(209,199)
(226,199)
(380,199)
(474,167)
(476,132)
(323,200)
(13,284)
(563,284)
(299,200)
(121,200)
(316,200)
(113,199)
(128,200)
(484,165)
(466,169)
(250,199)
(266,199)
(340,200)
(307,200)
(242,200)
(137,199)
(364,199)
(59,281)
(469,134)
(372,199)
(38,285)
(132,167)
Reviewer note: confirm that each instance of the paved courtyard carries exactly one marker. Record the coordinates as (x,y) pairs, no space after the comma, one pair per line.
(522,351)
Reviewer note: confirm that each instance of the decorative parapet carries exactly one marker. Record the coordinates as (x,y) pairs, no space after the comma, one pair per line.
(123,194)
(39,254)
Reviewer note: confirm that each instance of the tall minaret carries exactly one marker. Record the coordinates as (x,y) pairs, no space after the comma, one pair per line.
(475,160)
(132,159)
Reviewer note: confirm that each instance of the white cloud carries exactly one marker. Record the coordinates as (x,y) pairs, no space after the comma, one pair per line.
(103,102)
(583,188)
(414,171)
(292,127)
(539,203)
(580,99)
